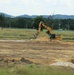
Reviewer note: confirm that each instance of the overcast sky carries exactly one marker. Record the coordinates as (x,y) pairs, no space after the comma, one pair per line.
(37,7)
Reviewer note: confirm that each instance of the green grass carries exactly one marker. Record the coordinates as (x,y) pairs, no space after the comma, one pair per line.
(16,34)
(66,34)
(21,34)
(31,69)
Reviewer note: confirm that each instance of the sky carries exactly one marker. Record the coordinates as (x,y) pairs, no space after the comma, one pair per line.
(37,7)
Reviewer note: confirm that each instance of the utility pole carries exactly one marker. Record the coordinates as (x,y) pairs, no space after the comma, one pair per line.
(59,26)
(68,27)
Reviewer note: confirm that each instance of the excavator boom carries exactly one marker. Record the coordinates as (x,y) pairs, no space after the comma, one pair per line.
(42,24)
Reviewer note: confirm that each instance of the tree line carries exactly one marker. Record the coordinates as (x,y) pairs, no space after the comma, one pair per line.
(32,23)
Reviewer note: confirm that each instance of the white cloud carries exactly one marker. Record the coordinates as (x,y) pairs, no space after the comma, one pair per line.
(51,2)
(68,3)
(5,1)
(17,7)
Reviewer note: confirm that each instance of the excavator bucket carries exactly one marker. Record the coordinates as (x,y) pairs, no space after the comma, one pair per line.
(35,36)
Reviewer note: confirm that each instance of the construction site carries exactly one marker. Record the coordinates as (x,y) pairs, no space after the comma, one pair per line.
(21,53)
(40,50)
(37,37)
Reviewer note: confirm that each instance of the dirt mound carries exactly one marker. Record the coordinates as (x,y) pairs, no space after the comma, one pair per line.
(61,63)
(70,43)
(42,39)
(42,51)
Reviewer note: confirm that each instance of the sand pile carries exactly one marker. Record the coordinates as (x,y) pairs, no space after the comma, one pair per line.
(65,64)
(42,39)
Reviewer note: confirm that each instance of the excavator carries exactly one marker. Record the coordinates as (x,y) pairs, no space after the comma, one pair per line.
(49,32)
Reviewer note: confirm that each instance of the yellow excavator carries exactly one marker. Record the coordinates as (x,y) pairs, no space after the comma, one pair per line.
(49,32)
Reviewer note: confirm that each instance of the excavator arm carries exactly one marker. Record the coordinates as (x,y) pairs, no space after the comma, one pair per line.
(39,29)
(50,32)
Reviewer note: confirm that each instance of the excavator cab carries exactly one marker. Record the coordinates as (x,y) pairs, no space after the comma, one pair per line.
(52,36)
(55,36)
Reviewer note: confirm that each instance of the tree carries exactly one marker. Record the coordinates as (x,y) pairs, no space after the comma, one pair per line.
(21,23)
(2,20)
(37,20)
(51,21)
(56,24)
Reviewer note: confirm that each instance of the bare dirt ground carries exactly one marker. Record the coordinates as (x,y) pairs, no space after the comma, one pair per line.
(38,52)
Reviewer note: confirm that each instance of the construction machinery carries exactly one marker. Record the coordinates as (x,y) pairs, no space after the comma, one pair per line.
(49,32)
